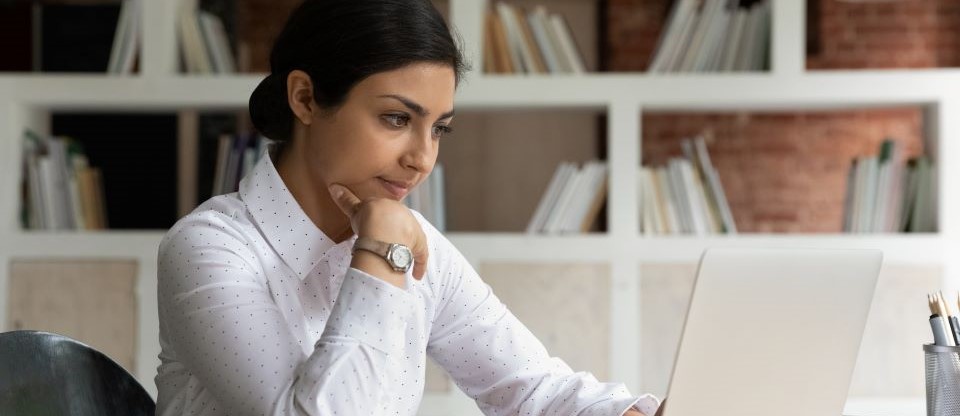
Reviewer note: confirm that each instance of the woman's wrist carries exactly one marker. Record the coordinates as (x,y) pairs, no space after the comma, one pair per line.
(378,267)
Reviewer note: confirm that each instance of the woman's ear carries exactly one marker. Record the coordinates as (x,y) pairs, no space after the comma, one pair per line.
(300,96)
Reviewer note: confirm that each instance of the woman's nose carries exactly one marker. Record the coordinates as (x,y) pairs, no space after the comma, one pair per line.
(422,152)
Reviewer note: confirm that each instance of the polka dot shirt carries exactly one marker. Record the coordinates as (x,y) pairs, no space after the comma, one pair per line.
(261,314)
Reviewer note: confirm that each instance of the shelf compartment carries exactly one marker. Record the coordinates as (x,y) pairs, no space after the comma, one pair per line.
(787,172)
(69,37)
(497,164)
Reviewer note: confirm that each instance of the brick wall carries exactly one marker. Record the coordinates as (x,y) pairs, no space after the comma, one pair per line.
(786,172)
(888,34)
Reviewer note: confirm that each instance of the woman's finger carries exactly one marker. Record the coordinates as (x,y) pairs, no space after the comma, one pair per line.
(345,200)
(420,254)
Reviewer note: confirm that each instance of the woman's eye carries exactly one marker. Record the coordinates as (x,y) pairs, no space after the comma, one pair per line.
(397,120)
(441,130)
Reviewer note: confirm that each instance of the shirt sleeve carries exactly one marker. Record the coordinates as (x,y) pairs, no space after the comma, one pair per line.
(226,329)
(496,360)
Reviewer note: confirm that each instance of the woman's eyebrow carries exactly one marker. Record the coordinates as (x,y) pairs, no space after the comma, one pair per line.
(416,108)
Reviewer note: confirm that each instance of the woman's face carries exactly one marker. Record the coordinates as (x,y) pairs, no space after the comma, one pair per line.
(383,140)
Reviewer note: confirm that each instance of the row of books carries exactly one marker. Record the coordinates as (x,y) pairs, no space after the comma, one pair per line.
(428,199)
(685,196)
(60,190)
(715,36)
(886,194)
(237,154)
(204,44)
(534,42)
(572,201)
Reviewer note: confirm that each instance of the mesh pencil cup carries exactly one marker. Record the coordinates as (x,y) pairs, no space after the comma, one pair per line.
(943,379)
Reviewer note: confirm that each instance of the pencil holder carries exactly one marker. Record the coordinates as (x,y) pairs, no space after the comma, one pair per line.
(943,379)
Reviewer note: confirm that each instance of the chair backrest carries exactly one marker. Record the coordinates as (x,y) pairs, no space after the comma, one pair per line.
(49,374)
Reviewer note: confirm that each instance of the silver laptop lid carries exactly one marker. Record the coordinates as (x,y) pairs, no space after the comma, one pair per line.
(772,332)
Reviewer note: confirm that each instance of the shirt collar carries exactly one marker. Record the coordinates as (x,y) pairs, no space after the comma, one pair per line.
(282,221)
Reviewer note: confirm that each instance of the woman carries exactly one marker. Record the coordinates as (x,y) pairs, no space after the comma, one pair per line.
(295,296)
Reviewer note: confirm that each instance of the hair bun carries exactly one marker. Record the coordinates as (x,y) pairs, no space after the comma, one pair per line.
(269,110)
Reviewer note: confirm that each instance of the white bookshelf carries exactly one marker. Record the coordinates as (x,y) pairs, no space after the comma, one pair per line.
(27,99)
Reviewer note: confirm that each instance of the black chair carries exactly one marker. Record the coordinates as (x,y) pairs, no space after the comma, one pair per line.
(49,374)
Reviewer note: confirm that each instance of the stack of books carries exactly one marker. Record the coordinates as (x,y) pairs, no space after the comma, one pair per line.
(428,199)
(684,197)
(884,194)
(715,36)
(535,42)
(204,44)
(572,201)
(236,156)
(60,190)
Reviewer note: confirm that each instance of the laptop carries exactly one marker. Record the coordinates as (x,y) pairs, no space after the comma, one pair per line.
(772,332)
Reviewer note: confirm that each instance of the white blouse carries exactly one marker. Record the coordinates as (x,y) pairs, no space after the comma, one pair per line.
(261,314)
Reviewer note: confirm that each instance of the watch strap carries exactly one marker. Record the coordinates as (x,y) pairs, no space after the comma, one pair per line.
(377,247)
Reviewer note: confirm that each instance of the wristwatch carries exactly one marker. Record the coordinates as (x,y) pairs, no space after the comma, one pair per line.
(397,255)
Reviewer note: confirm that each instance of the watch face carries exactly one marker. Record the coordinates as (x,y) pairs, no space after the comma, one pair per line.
(401,256)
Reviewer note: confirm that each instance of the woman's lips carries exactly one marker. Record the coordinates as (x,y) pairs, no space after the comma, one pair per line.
(395,189)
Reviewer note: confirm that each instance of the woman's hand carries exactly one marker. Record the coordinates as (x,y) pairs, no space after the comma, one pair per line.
(385,220)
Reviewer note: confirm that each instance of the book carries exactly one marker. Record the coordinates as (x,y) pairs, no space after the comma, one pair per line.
(680,196)
(216,43)
(538,22)
(668,41)
(549,198)
(684,35)
(555,218)
(504,58)
(531,51)
(588,197)
(437,184)
(717,194)
(567,44)
(490,64)
(515,43)
(196,58)
(848,197)
(709,211)
(922,218)
(598,197)
(126,38)
(713,45)
(668,204)
(698,39)
(728,61)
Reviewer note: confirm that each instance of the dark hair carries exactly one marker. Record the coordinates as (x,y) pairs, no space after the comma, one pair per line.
(338,43)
